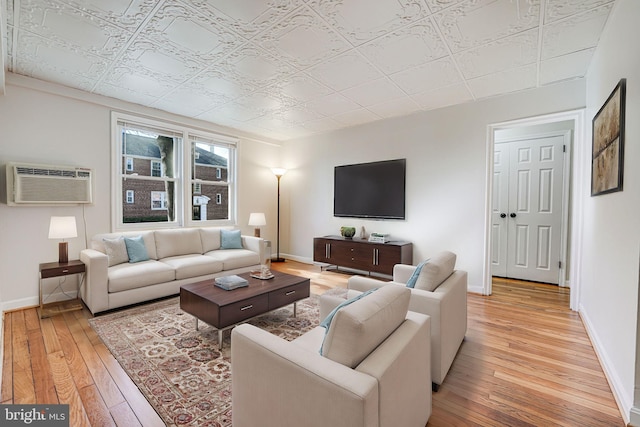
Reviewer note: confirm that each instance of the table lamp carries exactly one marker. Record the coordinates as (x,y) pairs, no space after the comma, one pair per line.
(63,227)
(257,220)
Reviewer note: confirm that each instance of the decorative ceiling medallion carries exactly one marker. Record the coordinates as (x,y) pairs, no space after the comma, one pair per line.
(254,66)
(509,52)
(138,80)
(465,25)
(362,20)
(180,29)
(164,64)
(40,56)
(443,96)
(575,33)
(504,82)
(558,9)
(215,82)
(438,5)
(62,24)
(565,67)
(246,17)
(129,14)
(345,71)
(405,48)
(426,77)
(301,88)
(302,39)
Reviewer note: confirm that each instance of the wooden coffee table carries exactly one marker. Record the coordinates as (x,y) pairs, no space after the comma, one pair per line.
(225,309)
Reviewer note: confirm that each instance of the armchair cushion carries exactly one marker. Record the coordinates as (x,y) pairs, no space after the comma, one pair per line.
(357,329)
(411,283)
(436,271)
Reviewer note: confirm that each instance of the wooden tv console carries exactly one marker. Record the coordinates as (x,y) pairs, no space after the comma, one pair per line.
(360,254)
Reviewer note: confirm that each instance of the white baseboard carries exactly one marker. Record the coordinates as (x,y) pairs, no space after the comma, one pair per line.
(617,388)
(17,304)
(475,289)
(635,417)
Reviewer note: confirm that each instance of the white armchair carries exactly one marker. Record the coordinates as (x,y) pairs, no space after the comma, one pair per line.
(371,371)
(445,303)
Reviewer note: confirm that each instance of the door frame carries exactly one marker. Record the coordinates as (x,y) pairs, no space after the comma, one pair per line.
(573,173)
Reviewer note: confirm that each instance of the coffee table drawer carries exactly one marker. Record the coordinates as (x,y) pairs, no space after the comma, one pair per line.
(289,295)
(243,310)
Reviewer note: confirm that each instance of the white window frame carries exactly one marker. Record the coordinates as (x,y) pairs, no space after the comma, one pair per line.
(230,183)
(183,172)
(155,162)
(129,161)
(130,196)
(163,200)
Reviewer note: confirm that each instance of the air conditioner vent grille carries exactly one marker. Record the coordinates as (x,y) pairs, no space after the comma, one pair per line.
(46,172)
(48,185)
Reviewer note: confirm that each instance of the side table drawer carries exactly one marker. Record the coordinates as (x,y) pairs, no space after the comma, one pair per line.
(289,295)
(243,310)
(62,271)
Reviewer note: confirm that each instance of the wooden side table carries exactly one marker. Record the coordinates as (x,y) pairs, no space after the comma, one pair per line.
(60,269)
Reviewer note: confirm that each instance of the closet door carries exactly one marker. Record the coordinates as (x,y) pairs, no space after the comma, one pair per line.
(533,219)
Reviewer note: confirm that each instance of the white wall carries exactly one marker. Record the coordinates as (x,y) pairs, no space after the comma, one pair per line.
(50,124)
(611,223)
(446,174)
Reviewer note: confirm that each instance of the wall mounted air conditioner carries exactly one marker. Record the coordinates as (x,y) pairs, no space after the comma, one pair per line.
(31,184)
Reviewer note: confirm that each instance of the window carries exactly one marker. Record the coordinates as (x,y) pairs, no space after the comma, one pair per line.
(158,200)
(212,162)
(171,169)
(156,168)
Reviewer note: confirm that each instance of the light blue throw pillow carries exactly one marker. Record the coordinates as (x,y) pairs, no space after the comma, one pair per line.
(136,249)
(326,323)
(411,283)
(230,239)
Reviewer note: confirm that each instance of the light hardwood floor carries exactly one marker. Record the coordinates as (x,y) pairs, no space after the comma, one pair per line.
(526,361)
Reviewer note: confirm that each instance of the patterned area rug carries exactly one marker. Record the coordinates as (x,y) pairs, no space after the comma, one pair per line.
(180,370)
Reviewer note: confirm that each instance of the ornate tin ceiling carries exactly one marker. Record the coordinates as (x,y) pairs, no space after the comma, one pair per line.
(289,68)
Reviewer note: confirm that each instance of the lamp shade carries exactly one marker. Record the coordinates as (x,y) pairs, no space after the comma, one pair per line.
(62,227)
(257,219)
(278,171)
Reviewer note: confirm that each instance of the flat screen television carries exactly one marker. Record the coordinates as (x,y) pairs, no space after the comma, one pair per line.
(370,190)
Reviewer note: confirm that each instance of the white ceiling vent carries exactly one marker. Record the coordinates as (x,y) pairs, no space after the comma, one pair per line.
(29,184)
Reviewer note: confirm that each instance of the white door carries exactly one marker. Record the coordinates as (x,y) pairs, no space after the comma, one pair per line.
(528,210)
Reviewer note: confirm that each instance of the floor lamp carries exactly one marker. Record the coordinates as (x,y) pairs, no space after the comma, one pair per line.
(278,172)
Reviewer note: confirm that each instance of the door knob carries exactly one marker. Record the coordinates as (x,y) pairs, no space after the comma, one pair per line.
(503,215)
(512,215)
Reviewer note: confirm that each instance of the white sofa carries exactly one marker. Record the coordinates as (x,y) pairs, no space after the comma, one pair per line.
(441,292)
(372,369)
(175,257)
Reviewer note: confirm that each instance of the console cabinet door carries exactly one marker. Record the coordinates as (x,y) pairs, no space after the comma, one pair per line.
(322,250)
(385,257)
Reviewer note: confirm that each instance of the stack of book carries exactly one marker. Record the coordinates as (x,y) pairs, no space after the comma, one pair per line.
(230,282)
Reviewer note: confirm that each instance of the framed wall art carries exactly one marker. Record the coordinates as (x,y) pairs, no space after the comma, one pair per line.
(607,159)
